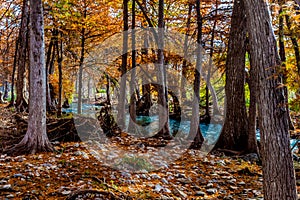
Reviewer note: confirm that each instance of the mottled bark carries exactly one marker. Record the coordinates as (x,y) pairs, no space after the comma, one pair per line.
(277,163)
(195,132)
(283,59)
(164,131)
(81,63)
(122,96)
(22,58)
(132,110)
(59,48)
(36,139)
(252,126)
(185,49)
(234,133)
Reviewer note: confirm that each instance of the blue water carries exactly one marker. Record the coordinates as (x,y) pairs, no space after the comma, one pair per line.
(149,124)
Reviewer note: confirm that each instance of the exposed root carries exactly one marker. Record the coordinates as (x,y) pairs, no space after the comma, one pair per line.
(28,147)
(103,194)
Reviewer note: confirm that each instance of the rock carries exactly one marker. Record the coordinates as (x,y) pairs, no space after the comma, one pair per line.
(242,183)
(196,187)
(144,176)
(200,194)
(181,193)
(66,192)
(85,155)
(221,162)
(256,192)
(10,196)
(185,180)
(18,175)
(158,188)
(209,185)
(211,191)
(76,145)
(6,187)
(167,190)
(180,176)
(126,174)
(233,187)
(155,176)
(164,181)
(232,181)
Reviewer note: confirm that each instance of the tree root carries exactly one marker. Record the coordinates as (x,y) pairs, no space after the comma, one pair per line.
(104,194)
(28,147)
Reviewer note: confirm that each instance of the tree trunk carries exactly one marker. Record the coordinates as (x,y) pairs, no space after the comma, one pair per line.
(184,64)
(36,139)
(162,90)
(208,84)
(277,163)
(283,59)
(234,133)
(132,111)
(22,58)
(122,96)
(294,39)
(59,48)
(81,63)
(12,89)
(107,89)
(195,132)
(252,139)
(49,63)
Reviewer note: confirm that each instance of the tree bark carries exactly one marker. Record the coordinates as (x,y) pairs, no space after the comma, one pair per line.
(59,48)
(162,90)
(283,59)
(22,58)
(184,64)
(122,96)
(195,132)
(35,139)
(81,62)
(49,65)
(252,139)
(277,163)
(234,134)
(132,110)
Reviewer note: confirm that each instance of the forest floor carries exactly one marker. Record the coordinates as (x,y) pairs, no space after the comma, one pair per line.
(71,172)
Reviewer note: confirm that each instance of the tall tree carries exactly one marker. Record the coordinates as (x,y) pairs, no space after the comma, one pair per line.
(278,171)
(22,57)
(184,63)
(35,139)
(164,131)
(133,98)
(82,56)
(194,127)
(234,132)
(283,59)
(122,96)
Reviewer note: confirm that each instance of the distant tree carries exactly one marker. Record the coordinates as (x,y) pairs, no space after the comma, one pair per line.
(22,57)
(133,95)
(278,171)
(35,139)
(122,96)
(194,128)
(164,131)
